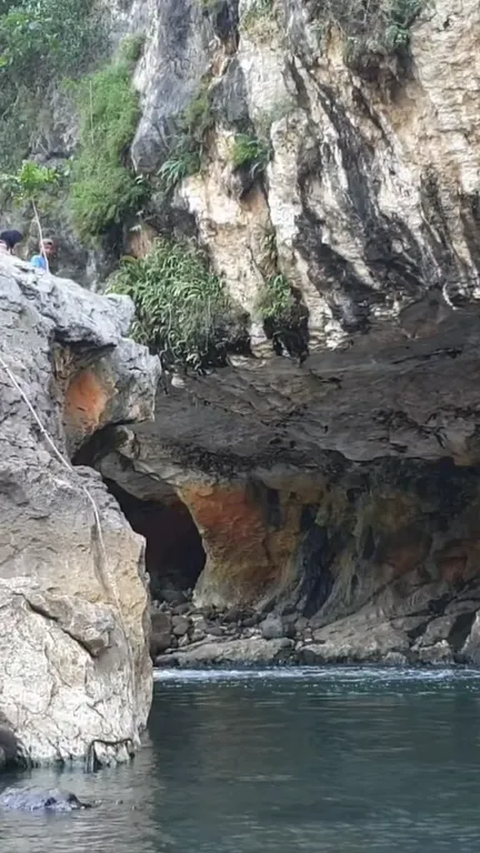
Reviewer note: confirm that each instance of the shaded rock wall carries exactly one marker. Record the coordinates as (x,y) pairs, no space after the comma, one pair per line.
(373,557)
(174,554)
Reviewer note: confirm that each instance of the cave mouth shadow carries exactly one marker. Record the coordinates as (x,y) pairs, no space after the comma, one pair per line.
(174,553)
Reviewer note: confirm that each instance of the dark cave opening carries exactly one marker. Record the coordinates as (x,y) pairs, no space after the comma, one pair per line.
(174,552)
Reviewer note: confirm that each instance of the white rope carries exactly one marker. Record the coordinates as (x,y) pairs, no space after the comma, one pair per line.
(111,583)
(56,451)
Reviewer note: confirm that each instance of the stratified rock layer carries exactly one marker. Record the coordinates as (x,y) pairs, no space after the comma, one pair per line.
(75,680)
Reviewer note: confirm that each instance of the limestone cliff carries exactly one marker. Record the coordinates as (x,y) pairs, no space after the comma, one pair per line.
(75,680)
(333,471)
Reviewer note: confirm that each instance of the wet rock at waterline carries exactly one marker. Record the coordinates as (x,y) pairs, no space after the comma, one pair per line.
(31,800)
(75,681)
(10,751)
(252,650)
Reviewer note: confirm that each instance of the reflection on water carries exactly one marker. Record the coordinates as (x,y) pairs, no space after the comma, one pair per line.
(324,760)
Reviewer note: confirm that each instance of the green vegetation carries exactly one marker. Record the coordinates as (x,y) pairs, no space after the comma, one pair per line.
(259,21)
(40,41)
(31,185)
(285,318)
(104,190)
(185,153)
(252,153)
(183,310)
(377,27)
(276,303)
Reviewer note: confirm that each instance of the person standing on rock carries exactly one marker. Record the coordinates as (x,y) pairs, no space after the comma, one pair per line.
(8,241)
(46,253)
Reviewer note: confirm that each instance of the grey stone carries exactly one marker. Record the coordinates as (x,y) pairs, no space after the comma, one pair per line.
(251,621)
(272,628)
(437,654)
(161,623)
(180,625)
(161,635)
(244,651)
(198,636)
(182,609)
(215,630)
(73,595)
(395,659)
(301,624)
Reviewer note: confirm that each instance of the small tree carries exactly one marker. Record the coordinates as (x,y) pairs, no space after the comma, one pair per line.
(30,185)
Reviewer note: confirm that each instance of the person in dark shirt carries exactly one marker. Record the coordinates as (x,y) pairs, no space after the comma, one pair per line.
(8,241)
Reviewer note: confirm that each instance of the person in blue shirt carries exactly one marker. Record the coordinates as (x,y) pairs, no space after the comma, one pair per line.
(46,253)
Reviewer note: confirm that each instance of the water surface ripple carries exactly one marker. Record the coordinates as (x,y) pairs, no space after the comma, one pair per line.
(324,760)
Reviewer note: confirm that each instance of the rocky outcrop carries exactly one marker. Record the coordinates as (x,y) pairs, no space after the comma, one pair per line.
(333,472)
(334,481)
(75,681)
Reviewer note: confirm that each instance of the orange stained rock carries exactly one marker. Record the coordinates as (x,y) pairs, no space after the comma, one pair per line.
(247,557)
(86,400)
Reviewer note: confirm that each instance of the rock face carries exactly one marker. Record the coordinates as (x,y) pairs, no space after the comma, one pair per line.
(335,479)
(75,681)
(334,474)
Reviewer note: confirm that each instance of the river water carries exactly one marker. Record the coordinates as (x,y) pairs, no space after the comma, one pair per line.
(320,760)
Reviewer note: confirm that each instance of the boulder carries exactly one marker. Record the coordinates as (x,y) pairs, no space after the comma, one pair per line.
(76,681)
(438,654)
(161,635)
(272,628)
(180,625)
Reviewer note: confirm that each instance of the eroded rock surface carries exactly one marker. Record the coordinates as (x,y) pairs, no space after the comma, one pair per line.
(334,478)
(75,680)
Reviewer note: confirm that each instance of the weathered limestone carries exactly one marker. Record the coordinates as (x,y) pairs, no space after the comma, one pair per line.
(75,680)
(341,485)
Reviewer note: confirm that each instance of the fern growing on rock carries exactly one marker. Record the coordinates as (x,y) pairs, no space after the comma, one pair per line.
(251,153)
(284,316)
(183,310)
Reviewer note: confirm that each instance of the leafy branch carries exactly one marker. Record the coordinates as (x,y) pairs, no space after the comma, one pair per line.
(30,185)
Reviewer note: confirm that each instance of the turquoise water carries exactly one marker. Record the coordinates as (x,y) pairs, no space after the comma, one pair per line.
(321,760)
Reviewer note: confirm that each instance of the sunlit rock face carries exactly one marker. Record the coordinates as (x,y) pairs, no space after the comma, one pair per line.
(76,679)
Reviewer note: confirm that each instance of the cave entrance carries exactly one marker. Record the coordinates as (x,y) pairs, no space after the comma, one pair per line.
(174,552)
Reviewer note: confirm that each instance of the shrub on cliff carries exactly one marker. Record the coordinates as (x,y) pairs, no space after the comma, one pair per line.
(251,153)
(104,190)
(284,316)
(381,27)
(185,147)
(183,310)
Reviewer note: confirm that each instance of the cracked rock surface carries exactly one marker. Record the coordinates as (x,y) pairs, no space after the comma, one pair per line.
(75,679)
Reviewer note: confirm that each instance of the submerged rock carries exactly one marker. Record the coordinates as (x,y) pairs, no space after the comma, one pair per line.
(31,800)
